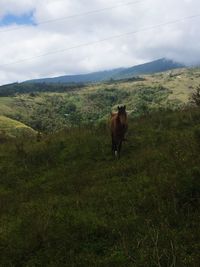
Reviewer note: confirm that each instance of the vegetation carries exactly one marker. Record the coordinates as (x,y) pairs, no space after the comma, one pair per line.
(52,112)
(13,128)
(22,88)
(50,107)
(196,97)
(64,201)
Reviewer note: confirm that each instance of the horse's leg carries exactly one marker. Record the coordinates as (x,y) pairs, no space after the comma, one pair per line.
(119,148)
(113,144)
(116,153)
(114,147)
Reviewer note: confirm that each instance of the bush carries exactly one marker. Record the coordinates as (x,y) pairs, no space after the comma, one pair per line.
(195,98)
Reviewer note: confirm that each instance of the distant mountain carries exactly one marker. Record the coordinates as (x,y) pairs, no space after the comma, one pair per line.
(150,68)
(116,74)
(81,78)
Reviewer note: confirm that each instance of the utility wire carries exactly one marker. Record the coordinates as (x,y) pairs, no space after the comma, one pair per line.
(105,39)
(76,15)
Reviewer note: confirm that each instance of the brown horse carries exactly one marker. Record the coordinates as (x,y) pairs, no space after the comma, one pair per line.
(119,126)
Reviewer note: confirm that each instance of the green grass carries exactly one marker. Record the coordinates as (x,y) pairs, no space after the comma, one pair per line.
(13,128)
(6,105)
(66,202)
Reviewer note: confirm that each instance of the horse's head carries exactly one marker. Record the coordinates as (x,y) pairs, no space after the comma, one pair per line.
(122,114)
(121,110)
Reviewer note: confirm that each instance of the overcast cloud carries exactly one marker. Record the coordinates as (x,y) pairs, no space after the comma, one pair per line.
(178,41)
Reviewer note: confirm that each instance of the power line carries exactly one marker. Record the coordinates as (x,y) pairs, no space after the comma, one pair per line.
(103,40)
(77,15)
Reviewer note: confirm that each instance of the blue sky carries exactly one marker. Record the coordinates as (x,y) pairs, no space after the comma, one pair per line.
(9,19)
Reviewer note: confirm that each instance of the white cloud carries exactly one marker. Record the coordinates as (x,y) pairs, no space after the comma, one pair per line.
(177,41)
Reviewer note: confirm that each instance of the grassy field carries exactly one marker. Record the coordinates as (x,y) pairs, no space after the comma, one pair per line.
(64,201)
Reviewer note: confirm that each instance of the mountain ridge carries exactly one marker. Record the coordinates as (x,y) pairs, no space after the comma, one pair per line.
(158,65)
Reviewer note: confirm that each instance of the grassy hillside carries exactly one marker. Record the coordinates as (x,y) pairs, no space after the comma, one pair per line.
(65,202)
(6,105)
(89,104)
(13,128)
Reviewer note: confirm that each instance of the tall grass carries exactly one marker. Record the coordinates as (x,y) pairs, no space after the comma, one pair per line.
(66,202)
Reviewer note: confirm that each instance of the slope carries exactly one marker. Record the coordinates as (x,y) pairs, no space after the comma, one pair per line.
(66,202)
(13,128)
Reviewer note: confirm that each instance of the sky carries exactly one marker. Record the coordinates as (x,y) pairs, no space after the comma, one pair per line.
(48,38)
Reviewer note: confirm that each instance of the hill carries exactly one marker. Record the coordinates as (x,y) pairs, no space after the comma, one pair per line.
(49,108)
(13,128)
(65,202)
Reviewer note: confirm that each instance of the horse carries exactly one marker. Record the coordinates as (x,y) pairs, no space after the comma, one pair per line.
(119,126)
